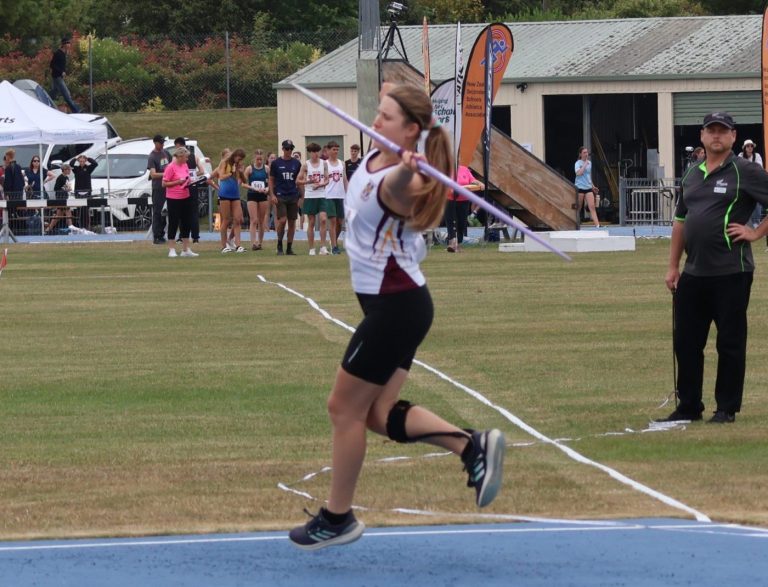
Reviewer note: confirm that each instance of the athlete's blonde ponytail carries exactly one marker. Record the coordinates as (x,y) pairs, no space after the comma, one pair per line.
(429,201)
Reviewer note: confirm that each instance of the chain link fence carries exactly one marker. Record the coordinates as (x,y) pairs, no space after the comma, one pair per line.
(151,74)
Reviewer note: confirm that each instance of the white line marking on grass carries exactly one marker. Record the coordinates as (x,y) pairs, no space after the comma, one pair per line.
(576,456)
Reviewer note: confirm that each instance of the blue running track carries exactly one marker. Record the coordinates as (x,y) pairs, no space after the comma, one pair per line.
(633,553)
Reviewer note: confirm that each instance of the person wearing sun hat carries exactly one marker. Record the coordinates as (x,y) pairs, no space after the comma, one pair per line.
(749,152)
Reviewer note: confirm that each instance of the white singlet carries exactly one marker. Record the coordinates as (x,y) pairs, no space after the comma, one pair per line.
(314,175)
(335,188)
(384,252)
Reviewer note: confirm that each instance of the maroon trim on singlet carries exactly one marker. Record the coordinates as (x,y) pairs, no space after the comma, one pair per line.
(395,279)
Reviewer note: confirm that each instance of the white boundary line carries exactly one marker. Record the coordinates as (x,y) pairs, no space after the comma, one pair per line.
(572,526)
(576,456)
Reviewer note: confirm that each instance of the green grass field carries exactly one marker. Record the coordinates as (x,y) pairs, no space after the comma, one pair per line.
(144,395)
(249,129)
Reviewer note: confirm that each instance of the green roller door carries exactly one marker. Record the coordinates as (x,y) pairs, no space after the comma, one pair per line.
(745,107)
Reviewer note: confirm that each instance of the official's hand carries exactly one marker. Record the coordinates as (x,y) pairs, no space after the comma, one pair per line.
(741,232)
(671,279)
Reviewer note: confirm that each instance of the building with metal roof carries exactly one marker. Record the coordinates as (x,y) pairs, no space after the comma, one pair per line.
(625,88)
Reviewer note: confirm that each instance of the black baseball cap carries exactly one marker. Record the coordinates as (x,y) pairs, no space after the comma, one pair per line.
(719,118)
(288,145)
(66,40)
(158,139)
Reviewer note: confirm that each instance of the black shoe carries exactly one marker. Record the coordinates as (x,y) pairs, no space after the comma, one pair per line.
(280,251)
(678,416)
(484,463)
(319,532)
(195,240)
(722,417)
(159,241)
(289,252)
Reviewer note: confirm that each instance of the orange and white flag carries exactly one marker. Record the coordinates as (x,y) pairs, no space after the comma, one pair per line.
(3,260)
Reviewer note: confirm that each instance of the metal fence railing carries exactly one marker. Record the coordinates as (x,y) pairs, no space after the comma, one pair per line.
(105,212)
(647,201)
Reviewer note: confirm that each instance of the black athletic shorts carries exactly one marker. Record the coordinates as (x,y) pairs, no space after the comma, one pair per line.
(387,338)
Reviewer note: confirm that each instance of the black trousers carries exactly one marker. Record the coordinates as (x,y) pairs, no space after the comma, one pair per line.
(699,301)
(158,220)
(456,213)
(179,217)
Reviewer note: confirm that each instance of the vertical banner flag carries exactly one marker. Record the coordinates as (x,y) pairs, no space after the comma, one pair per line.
(473,96)
(425,54)
(443,104)
(764,68)
(488,109)
(458,88)
(3,261)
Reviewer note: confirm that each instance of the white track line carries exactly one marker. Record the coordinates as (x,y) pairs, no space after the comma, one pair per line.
(576,456)
(569,527)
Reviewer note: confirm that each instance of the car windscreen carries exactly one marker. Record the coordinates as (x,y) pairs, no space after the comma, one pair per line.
(24,153)
(121,166)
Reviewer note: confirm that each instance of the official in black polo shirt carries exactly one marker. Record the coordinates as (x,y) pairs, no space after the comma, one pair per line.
(712,227)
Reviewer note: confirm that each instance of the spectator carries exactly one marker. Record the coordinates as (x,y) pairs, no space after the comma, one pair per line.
(58,72)
(34,173)
(748,152)
(178,201)
(231,176)
(334,195)
(313,177)
(272,211)
(351,164)
(83,167)
(297,156)
(584,185)
(258,196)
(716,202)
(13,178)
(156,163)
(457,208)
(62,189)
(284,194)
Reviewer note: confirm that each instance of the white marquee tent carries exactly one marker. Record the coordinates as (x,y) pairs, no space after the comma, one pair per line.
(26,121)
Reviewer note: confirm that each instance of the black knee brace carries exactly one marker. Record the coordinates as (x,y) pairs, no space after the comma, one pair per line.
(396,421)
(396,425)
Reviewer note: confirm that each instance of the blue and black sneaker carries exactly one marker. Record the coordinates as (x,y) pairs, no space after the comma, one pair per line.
(484,462)
(319,532)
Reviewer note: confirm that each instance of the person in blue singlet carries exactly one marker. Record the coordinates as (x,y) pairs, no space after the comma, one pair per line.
(231,176)
(258,192)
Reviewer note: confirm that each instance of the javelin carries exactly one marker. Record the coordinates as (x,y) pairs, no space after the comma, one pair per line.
(427,169)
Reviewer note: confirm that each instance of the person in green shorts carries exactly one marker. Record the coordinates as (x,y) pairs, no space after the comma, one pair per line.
(314,177)
(334,195)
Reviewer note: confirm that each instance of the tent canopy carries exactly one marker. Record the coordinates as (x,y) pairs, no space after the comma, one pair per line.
(26,121)
(34,89)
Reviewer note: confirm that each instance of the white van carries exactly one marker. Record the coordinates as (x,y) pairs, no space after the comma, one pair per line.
(128,177)
(55,154)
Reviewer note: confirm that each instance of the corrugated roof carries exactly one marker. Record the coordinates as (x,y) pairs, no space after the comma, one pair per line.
(647,48)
